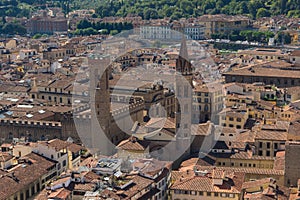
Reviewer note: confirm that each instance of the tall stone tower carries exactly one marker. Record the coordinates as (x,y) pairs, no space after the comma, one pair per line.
(183,107)
(100,103)
(292,163)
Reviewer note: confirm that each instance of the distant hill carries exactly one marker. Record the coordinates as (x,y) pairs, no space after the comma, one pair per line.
(187,8)
(158,8)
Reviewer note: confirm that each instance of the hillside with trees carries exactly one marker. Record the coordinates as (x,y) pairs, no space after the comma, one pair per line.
(187,8)
(158,8)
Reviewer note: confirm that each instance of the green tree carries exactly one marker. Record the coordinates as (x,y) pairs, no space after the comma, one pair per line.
(113,32)
(84,24)
(37,36)
(283,38)
(150,13)
(104,31)
(13,28)
(262,12)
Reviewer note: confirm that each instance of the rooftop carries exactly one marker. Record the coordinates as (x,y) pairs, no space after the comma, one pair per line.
(23,175)
(270,69)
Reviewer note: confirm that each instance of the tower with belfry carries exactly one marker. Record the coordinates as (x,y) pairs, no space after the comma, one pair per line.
(100,103)
(183,106)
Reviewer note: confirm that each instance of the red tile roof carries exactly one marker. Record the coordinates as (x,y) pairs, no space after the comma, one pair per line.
(24,175)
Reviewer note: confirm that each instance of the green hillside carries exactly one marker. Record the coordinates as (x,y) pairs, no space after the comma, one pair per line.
(187,8)
(158,8)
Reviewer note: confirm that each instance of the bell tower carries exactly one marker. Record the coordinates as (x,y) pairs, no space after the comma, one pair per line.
(100,103)
(183,106)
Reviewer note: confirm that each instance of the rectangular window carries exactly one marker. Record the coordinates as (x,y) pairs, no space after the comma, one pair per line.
(208,193)
(64,163)
(186,91)
(268,145)
(260,144)
(206,108)
(268,153)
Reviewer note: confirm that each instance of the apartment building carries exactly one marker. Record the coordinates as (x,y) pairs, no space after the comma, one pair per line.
(28,177)
(207,102)
(222,23)
(279,73)
(47,25)
(206,185)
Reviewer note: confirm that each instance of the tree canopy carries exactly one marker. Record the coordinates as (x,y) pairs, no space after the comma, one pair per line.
(158,8)
(193,8)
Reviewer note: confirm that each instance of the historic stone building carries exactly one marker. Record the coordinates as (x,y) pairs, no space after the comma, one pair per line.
(277,73)
(292,163)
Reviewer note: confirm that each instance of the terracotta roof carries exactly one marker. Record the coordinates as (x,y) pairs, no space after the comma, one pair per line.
(108,194)
(168,123)
(85,187)
(139,183)
(37,167)
(294,128)
(279,160)
(91,176)
(133,144)
(201,129)
(257,183)
(279,125)
(271,192)
(295,53)
(204,183)
(271,135)
(57,144)
(218,174)
(265,71)
(244,170)
(75,148)
(151,167)
(247,137)
(6,145)
(61,193)
(206,160)
(5,157)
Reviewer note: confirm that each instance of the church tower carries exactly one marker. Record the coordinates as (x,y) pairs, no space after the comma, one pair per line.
(183,106)
(100,103)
